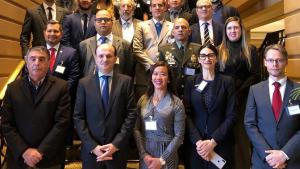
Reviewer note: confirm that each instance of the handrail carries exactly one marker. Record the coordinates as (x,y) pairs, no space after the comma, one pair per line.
(12,77)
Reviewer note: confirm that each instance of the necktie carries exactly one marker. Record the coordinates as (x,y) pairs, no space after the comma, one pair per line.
(276,101)
(84,17)
(206,34)
(182,51)
(158,27)
(102,39)
(52,59)
(105,92)
(174,15)
(50,13)
(126,24)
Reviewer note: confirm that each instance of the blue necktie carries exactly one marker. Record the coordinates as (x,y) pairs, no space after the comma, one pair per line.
(102,39)
(158,27)
(105,92)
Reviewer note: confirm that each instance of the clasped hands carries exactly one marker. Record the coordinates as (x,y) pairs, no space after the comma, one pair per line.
(152,163)
(276,159)
(205,148)
(32,156)
(104,152)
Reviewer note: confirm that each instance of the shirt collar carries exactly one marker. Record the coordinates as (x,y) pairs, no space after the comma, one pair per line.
(36,86)
(201,22)
(123,21)
(55,46)
(109,37)
(282,81)
(155,21)
(101,74)
(179,44)
(46,6)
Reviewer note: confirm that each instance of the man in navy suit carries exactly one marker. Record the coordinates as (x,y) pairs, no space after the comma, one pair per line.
(79,25)
(35,21)
(105,113)
(66,61)
(271,121)
(64,64)
(204,11)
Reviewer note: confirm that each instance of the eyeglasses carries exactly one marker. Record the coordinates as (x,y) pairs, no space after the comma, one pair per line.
(277,61)
(208,56)
(204,7)
(105,20)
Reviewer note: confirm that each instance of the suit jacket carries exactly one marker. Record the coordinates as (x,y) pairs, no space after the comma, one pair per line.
(73,32)
(145,47)
(97,127)
(182,14)
(88,48)
(34,22)
(117,26)
(214,121)
(41,123)
(217,31)
(267,134)
(188,60)
(68,58)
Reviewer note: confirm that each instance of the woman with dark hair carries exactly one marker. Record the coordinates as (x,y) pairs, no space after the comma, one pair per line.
(240,61)
(209,99)
(160,123)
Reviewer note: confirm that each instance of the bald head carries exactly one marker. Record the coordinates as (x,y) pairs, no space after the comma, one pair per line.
(181,30)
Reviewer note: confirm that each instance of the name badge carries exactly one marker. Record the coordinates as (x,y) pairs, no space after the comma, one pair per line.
(150,125)
(293,110)
(201,86)
(189,71)
(60,69)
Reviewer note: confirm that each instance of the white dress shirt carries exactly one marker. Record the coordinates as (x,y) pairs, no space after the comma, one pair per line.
(127,32)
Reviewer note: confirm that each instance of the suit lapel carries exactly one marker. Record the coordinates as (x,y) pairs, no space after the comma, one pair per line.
(153,29)
(59,57)
(289,87)
(42,13)
(119,28)
(44,88)
(264,90)
(78,22)
(113,91)
(197,34)
(164,31)
(135,22)
(176,53)
(59,14)
(214,32)
(96,85)
(188,52)
(93,46)
(25,89)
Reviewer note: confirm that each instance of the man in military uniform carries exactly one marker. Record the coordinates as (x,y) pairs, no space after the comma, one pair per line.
(181,55)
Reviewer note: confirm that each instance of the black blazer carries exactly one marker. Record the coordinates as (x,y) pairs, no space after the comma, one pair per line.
(68,58)
(215,121)
(73,33)
(34,22)
(217,30)
(40,124)
(97,127)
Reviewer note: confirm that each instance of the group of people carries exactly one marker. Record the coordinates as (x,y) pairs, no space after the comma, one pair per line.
(172,86)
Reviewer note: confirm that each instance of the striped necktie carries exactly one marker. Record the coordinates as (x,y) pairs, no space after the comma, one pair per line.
(206,34)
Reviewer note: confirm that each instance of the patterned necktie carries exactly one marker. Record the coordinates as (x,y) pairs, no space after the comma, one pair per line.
(50,13)
(102,39)
(84,17)
(276,101)
(206,33)
(105,92)
(52,59)
(158,27)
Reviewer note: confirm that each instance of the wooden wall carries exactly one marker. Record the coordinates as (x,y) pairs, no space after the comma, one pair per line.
(292,31)
(12,14)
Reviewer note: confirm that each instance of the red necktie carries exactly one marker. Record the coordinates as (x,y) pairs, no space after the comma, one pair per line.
(276,101)
(52,59)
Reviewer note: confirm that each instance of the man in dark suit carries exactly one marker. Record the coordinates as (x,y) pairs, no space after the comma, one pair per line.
(103,24)
(125,26)
(272,117)
(175,10)
(105,123)
(181,55)
(36,115)
(214,30)
(35,21)
(79,25)
(222,12)
(64,64)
